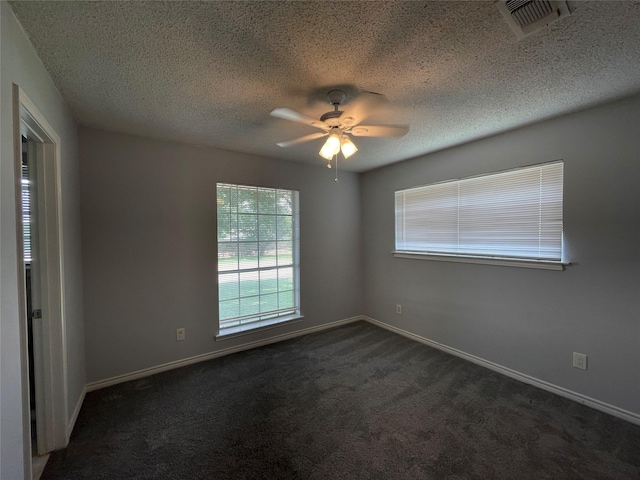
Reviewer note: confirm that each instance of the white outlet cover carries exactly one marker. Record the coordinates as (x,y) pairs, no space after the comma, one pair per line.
(580,360)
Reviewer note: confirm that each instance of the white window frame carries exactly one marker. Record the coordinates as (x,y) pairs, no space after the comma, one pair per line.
(452,201)
(243,324)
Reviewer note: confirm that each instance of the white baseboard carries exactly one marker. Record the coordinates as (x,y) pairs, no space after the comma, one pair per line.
(74,415)
(563,392)
(218,353)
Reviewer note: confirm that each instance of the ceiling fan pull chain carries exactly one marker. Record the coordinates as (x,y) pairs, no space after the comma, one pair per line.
(336,180)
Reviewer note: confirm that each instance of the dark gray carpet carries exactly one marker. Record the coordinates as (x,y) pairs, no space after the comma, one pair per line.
(356,402)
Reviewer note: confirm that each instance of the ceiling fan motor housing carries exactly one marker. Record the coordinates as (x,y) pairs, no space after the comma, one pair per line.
(336,97)
(331,118)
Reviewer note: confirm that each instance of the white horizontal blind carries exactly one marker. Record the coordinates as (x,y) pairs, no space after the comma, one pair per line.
(26,213)
(512,214)
(257,254)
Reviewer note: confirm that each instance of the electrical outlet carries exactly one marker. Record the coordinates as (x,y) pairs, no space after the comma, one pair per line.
(399,309)
(580,360)
(180,333)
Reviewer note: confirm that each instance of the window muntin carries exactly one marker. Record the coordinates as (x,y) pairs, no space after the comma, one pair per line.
(513,214)
(258,245)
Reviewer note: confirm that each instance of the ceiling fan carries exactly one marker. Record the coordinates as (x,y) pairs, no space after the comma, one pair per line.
(339,125)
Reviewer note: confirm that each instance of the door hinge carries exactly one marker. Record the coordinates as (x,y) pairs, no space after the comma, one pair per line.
(36,313)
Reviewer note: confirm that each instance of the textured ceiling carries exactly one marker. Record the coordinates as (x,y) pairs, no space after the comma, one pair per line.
(210,72)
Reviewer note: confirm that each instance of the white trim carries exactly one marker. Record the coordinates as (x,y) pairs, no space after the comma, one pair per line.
(39,463)
(22,307)
(107,382)
(249,328)
(53,383)
(549,387)
(76,411)
(504,262)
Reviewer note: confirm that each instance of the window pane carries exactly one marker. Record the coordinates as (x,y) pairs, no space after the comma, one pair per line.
(227,256)
(285,201)
(249,306)
(247,200)
(285,279)
(268,303)
(224,227)
(224,200)
(248,255)
(266,201)
(268,254)
(247,227)
(249,284)
(285,227)
(285,299)
(233,199)
(285,253)
(228,286)
(227,227)
(229,309)
(268,281)
(267,230)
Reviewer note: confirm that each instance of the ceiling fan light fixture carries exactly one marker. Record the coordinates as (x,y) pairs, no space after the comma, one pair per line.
(339,125)
(331,147)
(324,153)
(348,147)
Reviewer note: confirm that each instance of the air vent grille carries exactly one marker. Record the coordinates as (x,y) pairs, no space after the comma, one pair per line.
(527,16)
(526,13)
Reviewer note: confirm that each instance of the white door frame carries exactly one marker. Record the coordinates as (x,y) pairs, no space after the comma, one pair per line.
(51,382)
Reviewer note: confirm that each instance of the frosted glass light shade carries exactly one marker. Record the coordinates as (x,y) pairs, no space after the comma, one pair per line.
(348,147)
(331,147)
(326,153)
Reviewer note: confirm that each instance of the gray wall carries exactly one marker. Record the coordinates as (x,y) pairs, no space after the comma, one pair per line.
(149,247)
(21,65)
(530,320)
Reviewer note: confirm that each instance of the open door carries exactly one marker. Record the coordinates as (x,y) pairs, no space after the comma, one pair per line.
(33,293)
(41,281)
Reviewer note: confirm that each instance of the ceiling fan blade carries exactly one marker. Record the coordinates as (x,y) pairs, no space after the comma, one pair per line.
(363,106)
(306,138)
(288,114)
(380,131)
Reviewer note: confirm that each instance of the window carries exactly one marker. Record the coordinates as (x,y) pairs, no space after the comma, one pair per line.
(258,266)
(516,214)
(25,185)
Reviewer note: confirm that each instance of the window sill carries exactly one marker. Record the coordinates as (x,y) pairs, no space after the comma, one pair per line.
(232,332)
(505,262)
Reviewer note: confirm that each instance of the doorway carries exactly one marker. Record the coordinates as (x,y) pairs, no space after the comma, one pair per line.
(30,249)
(41,282)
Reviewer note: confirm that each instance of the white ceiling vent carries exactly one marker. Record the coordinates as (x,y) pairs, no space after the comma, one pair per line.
(527,16)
